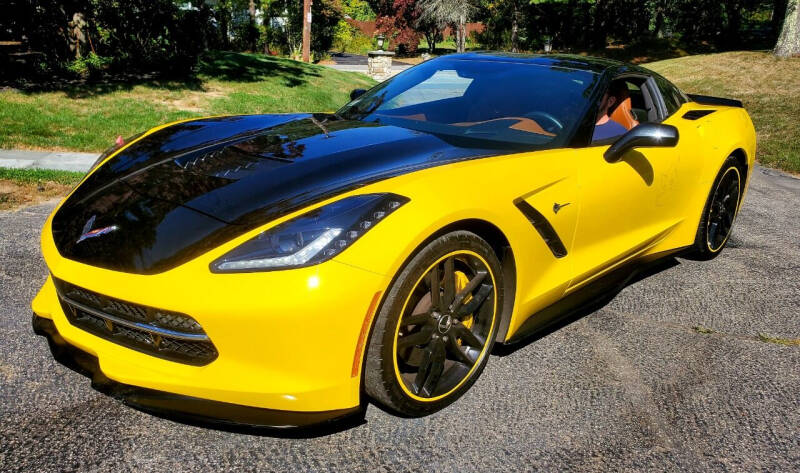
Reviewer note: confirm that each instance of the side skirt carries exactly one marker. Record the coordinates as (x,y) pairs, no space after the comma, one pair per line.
(587,299)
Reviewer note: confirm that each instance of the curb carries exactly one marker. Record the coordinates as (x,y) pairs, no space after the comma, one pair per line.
(57,160)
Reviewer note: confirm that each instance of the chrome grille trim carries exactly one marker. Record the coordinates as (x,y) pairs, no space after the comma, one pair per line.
(160,333)
(141,326)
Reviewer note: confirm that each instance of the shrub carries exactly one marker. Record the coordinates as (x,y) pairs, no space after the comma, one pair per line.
(89,66)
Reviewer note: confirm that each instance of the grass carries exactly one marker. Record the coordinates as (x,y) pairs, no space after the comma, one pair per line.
(703,330)
(778,341)
(768,86)
(23,187)
(87,117)
(33,176)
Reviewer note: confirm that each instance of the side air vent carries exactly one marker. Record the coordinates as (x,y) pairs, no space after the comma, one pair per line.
(697,114)
(546,231)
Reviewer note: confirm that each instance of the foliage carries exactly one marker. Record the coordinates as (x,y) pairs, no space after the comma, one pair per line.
(326,15)
(349,39)
(596,24)
(131,35)
(449,12)
(89,65)
(358,10)
(398,23)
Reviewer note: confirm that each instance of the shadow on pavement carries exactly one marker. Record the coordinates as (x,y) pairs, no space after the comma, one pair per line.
(600,294)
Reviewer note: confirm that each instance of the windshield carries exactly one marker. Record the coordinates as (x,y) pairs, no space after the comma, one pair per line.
(536,105)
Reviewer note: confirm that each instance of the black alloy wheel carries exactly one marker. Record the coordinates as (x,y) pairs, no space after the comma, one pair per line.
(436,326)
(722,213)
(719,213)
(445,326)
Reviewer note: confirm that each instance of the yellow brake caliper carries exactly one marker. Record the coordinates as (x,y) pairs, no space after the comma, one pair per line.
(461,282)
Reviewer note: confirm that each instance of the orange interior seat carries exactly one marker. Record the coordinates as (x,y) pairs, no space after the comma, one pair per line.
(623,114)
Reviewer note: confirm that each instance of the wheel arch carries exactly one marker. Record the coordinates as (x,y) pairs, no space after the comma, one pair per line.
(502,248)
(505,253)
(741,158)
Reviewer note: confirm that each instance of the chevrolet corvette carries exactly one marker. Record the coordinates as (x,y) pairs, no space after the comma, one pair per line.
(282,270)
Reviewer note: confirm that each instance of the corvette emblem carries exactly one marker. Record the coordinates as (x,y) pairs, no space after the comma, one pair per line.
(89,233)
(557,207)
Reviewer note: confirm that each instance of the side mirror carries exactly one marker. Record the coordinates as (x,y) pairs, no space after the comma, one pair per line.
(646,135)
(356,93)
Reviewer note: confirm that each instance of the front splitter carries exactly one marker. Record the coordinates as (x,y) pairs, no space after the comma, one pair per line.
(186,408)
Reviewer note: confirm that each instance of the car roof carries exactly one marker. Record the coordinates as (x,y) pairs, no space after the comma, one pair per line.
(572,61)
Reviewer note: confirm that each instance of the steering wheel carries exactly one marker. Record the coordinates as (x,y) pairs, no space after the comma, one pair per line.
(552,125)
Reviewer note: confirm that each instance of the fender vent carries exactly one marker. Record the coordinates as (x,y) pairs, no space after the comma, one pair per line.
(546,231)
(697,114)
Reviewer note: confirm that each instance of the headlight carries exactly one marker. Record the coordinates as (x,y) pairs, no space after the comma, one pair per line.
(311,238)
(118,143)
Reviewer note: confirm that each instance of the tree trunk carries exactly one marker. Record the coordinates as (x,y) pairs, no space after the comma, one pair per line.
(789,41)
(462,33)
(223,28)
(430,37)
(252,30)
(515,27)
(659,23)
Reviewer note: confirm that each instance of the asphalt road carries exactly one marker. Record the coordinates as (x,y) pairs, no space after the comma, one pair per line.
(630,386)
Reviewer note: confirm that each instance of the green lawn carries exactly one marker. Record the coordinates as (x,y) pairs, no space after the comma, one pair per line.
(88,118)
(34,176)
(768,86)
(24,187)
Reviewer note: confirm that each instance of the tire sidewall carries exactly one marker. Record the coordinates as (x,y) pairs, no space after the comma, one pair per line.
(381,382)
(700,248)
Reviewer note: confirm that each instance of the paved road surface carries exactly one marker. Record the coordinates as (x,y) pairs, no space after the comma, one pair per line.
(630,386)
(347,59)
(62,160)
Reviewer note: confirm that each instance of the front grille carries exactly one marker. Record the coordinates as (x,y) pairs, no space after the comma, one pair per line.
(165,334)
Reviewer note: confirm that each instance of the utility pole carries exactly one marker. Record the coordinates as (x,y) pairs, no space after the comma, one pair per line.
(306,30)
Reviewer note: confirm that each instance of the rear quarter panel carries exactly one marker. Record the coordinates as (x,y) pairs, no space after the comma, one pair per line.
(704,146)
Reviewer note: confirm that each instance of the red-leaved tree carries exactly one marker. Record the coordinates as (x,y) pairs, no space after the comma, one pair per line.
(397,23)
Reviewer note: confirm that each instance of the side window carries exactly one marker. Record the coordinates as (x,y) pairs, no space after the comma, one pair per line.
(673,98)
(623,107)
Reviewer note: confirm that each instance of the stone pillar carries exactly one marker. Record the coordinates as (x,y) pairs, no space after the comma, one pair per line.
(379,65)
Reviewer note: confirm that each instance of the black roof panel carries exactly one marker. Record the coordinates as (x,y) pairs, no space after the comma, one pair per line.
(573,61)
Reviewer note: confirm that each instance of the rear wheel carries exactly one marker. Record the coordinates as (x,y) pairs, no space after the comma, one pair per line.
(720,211)
(436,327)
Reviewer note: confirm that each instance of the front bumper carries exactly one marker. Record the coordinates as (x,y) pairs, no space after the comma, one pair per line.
(179,406)
(286,340)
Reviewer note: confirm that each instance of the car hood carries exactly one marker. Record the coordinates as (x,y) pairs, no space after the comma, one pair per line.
(187,188)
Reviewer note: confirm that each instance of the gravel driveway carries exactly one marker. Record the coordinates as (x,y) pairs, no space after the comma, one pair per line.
(634,385)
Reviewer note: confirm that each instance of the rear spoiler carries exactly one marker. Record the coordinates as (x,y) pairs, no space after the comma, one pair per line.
(708,100)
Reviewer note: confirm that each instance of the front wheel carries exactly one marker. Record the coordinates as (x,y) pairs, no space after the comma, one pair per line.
(436,326)
(720,211)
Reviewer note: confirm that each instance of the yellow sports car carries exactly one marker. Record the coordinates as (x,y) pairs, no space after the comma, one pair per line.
(282,269)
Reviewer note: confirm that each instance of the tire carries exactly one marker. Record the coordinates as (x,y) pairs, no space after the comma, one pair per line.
(720,211)
(424,354)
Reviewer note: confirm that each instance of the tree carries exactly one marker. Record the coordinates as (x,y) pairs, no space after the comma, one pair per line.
(789,40)
(400,24)
(451,12)
(432,30)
